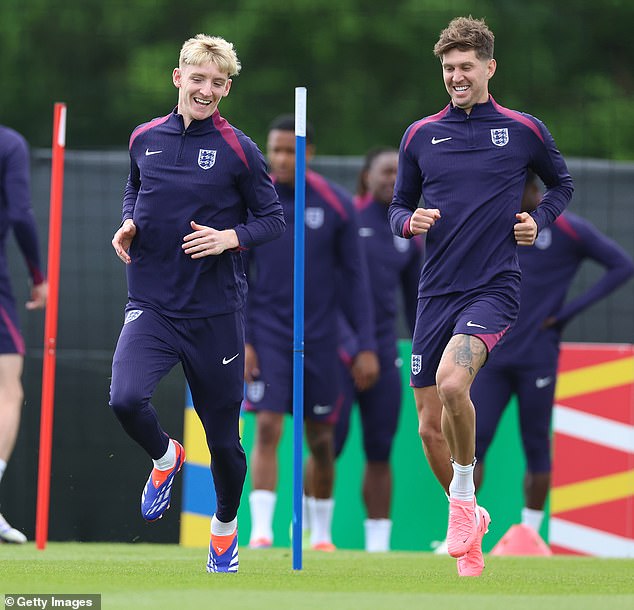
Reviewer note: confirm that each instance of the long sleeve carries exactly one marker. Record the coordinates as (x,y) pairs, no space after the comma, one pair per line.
(19,210)
(551,168)
(618,265)
(266,221)
(407,190)
(131,191)
(356,298)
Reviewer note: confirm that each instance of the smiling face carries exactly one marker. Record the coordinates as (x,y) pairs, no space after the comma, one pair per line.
(467,77)
(200,89)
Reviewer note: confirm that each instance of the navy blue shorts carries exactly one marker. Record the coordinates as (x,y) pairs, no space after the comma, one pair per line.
(273,390)
(534,386)
(211,351)
(11,341)
(379,409)
(487,313)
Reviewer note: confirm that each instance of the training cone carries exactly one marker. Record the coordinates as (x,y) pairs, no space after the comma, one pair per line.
(521,540)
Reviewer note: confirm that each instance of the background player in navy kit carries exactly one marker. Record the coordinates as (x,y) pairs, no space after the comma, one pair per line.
(193,180)
(469,162)
(394,265)
(332,247)
(526,362)
(15,214)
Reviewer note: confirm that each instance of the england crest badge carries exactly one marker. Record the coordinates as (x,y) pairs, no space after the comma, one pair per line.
(401,244)
(314,217)
(544,239)
(417,364)
(500,137)
(132,315)
(255,391)
(206,158)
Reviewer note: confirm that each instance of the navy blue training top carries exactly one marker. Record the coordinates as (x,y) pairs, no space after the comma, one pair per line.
(332,253)
(548,269)
(210,173)
(472,167)
(394,265)
(16,212)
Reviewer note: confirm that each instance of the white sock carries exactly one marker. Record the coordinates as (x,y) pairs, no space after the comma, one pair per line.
(532,518)
(377,535)
(320,511)
(219,528)
(3,467)
(306,513)
(262,504)
(169,458)
(462,486)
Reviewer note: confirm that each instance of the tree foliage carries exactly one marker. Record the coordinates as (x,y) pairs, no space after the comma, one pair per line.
(368,66)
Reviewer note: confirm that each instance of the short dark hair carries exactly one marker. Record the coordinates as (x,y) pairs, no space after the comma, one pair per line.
(465,33)
(286,122)
(368,160)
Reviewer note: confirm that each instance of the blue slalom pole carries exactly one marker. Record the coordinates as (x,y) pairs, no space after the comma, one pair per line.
(298,324)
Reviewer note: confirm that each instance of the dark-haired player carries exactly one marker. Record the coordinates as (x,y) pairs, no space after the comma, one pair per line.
(332,251)
(469,162)
(525,364)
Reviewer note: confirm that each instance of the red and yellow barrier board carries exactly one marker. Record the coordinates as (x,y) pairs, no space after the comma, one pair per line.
(592,496)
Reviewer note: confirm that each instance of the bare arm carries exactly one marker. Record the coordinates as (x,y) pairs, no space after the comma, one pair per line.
(251,364)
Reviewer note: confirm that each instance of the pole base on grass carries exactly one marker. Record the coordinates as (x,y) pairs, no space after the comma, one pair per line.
(521,540)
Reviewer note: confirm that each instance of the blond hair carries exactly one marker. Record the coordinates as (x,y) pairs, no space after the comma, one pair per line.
(202,49)
(465,33)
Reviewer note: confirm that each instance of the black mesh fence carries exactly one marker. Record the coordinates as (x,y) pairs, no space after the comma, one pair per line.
(97,471)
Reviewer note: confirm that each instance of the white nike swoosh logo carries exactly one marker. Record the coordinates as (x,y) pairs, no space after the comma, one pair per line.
(149,152)
(439,140)
(542,382)
(470,323)
(228,360)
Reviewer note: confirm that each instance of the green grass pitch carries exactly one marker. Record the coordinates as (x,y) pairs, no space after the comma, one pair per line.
(130,576)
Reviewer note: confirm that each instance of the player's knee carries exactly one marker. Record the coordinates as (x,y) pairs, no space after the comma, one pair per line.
(538,459)
(377,447)
(322,448)
(378,452)
(430,435)
(452,391)
(124,403)
(268,432)
(12,394)
(228,453)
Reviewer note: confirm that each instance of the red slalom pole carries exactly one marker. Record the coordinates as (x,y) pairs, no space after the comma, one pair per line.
(50,327)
